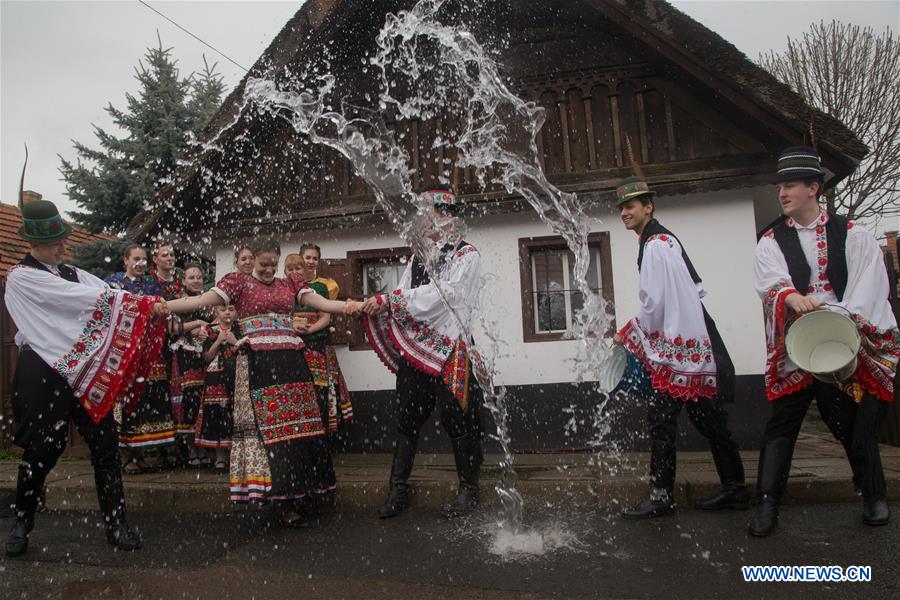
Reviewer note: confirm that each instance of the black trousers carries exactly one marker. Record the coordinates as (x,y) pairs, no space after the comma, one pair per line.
(418,393)
(854,425)
(711,420)
(43,403)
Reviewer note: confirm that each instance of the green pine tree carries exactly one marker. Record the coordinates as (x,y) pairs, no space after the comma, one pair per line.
(207,88)
(113,183)
(101,258)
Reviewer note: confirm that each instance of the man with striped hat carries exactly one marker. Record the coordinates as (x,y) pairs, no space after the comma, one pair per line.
(421,332)
(684,357)
(81,346)
(811,260)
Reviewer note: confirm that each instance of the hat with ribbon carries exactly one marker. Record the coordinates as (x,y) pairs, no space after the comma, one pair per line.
(631,188)
(41,222)
(798,162)
(443,198)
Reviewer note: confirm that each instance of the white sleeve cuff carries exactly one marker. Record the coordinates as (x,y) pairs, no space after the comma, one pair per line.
(221,294)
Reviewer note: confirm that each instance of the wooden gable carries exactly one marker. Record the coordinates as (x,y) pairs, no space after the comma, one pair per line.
(599,80)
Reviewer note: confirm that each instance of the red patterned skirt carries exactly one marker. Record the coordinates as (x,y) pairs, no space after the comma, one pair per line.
(278,446)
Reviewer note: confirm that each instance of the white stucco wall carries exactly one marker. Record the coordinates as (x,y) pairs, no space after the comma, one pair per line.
(718,230)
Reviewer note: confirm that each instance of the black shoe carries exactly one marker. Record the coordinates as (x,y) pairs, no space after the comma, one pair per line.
(17,541)
(765,518)
(735,499)
(121,537)
(465,502)
(650,509)
(876,512)
(293,519)
(397,502)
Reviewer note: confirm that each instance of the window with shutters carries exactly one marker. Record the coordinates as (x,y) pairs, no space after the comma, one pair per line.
(550,297)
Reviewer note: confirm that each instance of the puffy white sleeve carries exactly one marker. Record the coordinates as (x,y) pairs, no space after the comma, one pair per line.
(868,289)
(459,284)
(669,332)
(866,299)
(88,279)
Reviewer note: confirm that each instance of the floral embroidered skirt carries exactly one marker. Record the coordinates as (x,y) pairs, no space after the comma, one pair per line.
(333,393)
(187,389)
(278,447)
(146,422)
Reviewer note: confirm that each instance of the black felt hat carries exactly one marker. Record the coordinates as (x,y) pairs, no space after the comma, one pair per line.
(798,162)
(41,222)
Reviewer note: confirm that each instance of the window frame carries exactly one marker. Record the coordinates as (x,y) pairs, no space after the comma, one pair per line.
(600,242)
(357,260)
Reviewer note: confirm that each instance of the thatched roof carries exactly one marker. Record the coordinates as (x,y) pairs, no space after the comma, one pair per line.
(679,44)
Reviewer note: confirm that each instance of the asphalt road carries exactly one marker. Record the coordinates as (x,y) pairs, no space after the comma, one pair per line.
(350,554)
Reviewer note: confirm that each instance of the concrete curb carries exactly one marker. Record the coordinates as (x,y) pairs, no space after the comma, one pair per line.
(71,487)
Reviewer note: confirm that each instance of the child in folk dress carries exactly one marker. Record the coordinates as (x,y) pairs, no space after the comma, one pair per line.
(214,421)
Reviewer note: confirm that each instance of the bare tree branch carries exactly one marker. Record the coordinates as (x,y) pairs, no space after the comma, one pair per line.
(853,75)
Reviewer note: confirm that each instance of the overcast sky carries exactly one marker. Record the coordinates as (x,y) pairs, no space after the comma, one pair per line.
(62,62)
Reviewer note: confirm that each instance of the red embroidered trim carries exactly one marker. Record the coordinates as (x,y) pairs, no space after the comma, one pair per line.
(374,328)
(884,391)
(776,386)
(415,362)
(137,340)
(662,377)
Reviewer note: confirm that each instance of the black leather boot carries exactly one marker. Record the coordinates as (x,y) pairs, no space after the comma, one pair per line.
(876,512)
(467,455)
(774,469)
(111,495)
(17,540)
(730,468)
(28,490)
(401,467)
(658,504)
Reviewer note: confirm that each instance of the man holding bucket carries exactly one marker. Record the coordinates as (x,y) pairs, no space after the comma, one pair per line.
(811,260)
(678,345)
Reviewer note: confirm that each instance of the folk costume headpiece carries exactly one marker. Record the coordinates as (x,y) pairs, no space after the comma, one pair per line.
(441,198)
(635,186)
(41,222)
(631,188)
(798,162)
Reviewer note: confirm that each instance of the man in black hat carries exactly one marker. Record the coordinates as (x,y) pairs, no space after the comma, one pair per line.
(684,357)
(810,260)
(80,346)
(426,344)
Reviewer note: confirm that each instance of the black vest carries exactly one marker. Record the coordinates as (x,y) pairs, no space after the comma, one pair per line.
(65,271)
(420,275)
(654,228)
(724,366)
(836,237)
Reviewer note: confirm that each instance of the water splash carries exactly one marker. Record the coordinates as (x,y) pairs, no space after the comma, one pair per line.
(427,69)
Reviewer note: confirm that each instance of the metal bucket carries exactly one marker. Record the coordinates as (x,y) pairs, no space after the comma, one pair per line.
(624,372)
(824,343)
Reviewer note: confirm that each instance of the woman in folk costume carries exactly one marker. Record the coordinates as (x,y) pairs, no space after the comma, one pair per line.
(213,427)
(334,395)
(81,346)
(687,362)
(278,448)
(244,259)
(144,422)
(811,260)
(425,343)
(188,369)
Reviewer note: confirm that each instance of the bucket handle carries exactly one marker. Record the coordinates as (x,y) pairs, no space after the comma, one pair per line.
(838,306)
(795,316)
